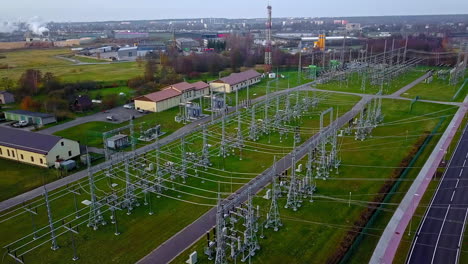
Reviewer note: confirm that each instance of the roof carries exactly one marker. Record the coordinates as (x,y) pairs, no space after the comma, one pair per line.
(28,141)
(29,113)
(235,78)
(128,48)
(159,96)
(83,100)
(172,91)
(117,137)
(200,85)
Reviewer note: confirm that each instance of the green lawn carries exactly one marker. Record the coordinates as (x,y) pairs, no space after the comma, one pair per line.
(91,133)
(325,222)
(113,90)
(88,60)
(18,178)
(32,58)
(355,81)
(438,90)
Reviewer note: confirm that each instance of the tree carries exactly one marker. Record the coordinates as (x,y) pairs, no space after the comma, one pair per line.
(110,101)
(150,68)
(29,81)
(29,104)
(7,83)
(50,82)
(139,61)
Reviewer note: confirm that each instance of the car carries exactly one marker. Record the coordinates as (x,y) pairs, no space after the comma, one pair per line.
(129,106)
(110,118)
(21,123)
(141,111)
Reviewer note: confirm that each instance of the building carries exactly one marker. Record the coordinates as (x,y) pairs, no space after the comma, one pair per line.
(127,53)
(130,35)
(236,81)
(82,103)
(6,97)
(187,44)
(353,27)
(172,96)
(118,141)
(34,148)
(33,118)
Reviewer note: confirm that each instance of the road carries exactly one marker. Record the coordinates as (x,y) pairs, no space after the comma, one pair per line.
(439,237)
(177,244)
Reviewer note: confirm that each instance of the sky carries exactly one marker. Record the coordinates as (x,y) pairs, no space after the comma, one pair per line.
(104,10)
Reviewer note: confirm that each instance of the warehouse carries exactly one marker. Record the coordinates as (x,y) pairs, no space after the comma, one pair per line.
(127,53)
(172,96)
(34,148)
(33,118)
(236,81)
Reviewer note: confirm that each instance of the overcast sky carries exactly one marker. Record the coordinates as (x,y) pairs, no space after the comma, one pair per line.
(102,10)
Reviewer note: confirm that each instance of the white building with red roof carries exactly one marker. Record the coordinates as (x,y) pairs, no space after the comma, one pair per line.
(172,96)
(236,81)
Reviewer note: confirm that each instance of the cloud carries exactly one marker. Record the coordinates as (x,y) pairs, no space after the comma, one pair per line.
(37,25)
(8,27)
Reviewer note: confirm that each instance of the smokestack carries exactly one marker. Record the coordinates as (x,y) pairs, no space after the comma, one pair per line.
(268,57)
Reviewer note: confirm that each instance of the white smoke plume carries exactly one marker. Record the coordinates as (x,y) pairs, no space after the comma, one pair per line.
(37,25)
(8,27)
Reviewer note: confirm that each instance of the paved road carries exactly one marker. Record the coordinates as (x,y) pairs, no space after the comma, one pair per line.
(439,237)
(412,84)
(120,113)
(184,131)
(177,244)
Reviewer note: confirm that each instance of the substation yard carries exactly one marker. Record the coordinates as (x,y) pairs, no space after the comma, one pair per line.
(179,204)
(314,233)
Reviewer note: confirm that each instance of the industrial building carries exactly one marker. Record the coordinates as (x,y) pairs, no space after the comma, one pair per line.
(236,81)
(6,97)
(33,118)
(172,96)
(34,148)
(130,35)
(118,141)
(127,53)
(187,44)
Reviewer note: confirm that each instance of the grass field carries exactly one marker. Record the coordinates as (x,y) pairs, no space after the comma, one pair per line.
(114,90)
(90,133)
(142,232)
(18,178)
(354,84)
(438,90)
(44,60)
(326,221)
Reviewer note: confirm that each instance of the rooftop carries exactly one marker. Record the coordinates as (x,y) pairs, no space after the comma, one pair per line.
(29,113)
(173,91)
(235,78)
(28,141)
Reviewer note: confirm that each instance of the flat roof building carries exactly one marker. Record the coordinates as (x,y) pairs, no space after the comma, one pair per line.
(33,118)
(35,148)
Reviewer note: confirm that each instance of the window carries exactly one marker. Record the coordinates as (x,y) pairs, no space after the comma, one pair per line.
(21,155)
(57,157)
(69,153)
(1,153)
(13,154)
(61,143)
(40,161)
(32,159)
(8,152)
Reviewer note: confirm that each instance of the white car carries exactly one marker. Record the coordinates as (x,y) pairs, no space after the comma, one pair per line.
(129,106)
(110,118)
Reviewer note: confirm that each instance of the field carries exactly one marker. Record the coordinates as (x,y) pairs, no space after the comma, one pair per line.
(354,84)
(18,178)
(366,165)
(44,60)
(142,232)
(90,133)
(438,90)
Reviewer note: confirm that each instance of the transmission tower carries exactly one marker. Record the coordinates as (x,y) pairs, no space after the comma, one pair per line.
(205,158)
(250,237)
(129,199)
(183,170)
(220,238)
(273,217)
(253,135)
(51,221)
(223,147)
(293,192)
(240,138)
(95,215)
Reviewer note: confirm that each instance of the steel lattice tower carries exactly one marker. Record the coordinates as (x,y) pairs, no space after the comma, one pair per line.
(273,218)
(293,193)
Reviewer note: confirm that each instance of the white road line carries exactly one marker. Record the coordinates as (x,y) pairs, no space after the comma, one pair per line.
(461,237)
(458,180)
(466,157)
(464,162)
(452,195)
(440,233)
(461,171)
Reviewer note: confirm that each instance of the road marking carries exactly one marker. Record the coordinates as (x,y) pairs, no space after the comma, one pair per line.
(452,195)
(461,237)
(456,185)
(440,233)
(461,171)
(464,162)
